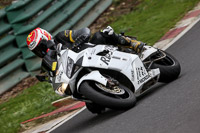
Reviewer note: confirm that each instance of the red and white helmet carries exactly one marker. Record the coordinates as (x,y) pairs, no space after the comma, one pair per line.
(35,41)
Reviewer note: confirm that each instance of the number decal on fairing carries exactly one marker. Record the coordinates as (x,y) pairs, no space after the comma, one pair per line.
(141,73)
(143,79)
(106,59)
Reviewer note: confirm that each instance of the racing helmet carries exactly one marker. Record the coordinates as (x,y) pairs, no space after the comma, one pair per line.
(37,41)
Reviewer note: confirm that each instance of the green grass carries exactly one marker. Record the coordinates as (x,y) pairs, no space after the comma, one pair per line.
(33,102)
(149,22)
(153,18)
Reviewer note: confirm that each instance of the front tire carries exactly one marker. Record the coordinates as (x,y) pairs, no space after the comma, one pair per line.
(169,68)
(93,93)
(95,108)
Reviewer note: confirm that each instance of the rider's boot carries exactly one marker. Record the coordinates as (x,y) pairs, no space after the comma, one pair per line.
(137,46)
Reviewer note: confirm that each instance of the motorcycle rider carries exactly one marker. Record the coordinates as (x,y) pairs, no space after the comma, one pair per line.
(41,43)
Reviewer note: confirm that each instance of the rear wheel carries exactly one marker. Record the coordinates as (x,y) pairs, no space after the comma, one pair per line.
(118,98)
(169,68)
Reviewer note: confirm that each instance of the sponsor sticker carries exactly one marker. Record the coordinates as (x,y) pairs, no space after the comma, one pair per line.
(54,64)
(32,45)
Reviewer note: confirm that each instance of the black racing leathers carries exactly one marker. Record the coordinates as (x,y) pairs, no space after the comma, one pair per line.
(70,38)
(114,39)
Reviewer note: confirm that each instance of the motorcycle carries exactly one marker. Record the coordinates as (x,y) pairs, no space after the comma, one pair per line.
(105,76)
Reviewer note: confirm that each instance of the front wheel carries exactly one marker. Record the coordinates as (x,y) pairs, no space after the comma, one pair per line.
(169,68)
(124,100)
(95,108)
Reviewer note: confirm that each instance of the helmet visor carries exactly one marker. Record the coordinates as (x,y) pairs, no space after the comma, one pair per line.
(41,49)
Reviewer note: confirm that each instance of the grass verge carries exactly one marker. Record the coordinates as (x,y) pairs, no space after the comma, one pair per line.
(32,102)
(149,22)
(153,18)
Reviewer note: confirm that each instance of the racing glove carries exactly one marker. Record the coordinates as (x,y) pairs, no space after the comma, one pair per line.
(108,30)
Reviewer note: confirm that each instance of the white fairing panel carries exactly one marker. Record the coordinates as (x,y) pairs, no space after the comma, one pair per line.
(105,57)
(61,76)
(94,76)
(147,52)
(128,64)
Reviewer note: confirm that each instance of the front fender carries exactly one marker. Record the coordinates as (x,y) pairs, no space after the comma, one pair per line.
(147,52)
(94,76)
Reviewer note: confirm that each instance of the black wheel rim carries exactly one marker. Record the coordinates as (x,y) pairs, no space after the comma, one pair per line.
(167,61)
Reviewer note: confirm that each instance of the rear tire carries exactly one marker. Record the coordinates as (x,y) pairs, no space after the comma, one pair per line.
(104,99)
(169,68)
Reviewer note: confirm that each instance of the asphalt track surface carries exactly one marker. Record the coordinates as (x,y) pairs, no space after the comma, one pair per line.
(166,108)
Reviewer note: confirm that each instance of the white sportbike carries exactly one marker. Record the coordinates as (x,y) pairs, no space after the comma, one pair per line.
(105,77)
